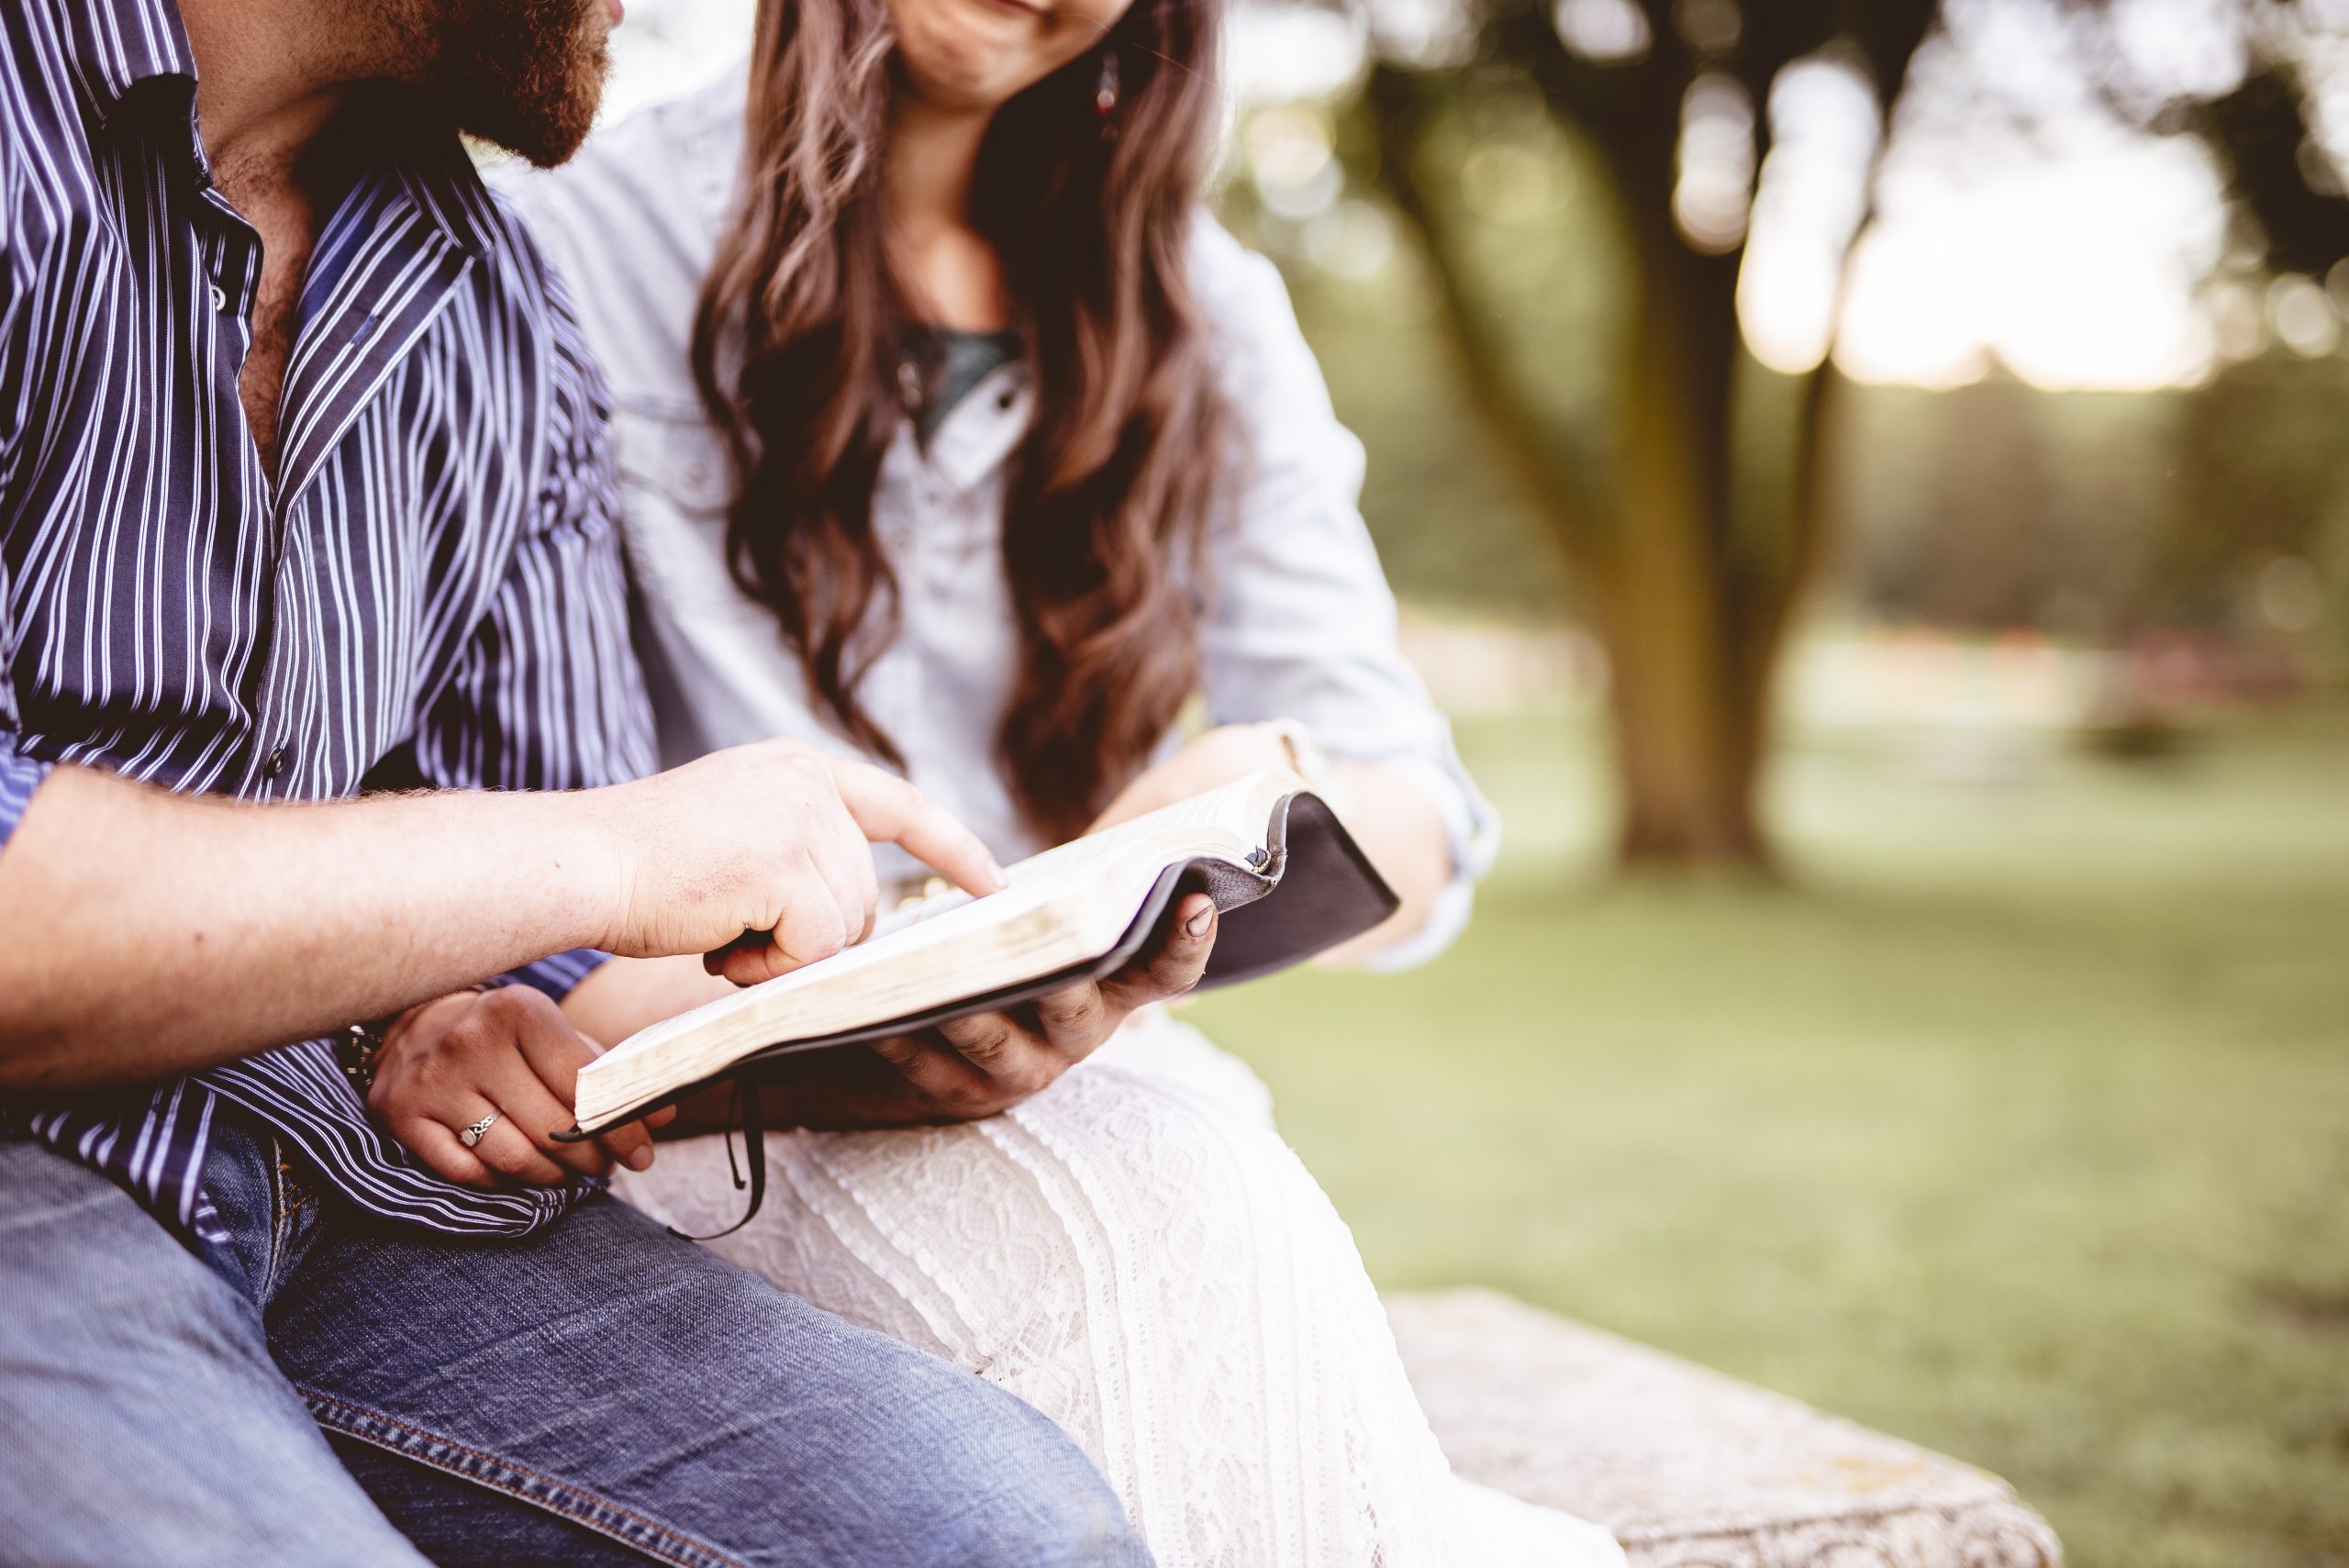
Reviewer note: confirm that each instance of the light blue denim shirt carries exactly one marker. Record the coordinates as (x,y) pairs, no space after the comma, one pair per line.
(1297,621)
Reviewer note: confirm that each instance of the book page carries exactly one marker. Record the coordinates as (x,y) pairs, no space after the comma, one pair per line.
(1228,812)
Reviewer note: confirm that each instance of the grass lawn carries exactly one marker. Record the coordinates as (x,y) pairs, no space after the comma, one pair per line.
(2018,1125)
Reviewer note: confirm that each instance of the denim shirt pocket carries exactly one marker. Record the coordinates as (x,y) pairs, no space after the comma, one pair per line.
(669,447)
(676,484)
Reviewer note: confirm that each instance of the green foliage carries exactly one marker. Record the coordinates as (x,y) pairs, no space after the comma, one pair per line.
(2021,1131)
(1451,530)
(2092,516)
(1524,199)
(2260,133)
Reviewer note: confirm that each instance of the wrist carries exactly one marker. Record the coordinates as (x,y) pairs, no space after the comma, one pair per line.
(364,1045)
(1302,754)
(403,1023)
(589,857)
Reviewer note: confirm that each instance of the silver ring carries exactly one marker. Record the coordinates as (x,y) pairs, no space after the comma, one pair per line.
(471,1135)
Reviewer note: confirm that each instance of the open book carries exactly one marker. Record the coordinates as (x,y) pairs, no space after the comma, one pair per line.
(1290,880)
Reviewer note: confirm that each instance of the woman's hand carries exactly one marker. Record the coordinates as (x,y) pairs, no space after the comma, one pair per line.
(448,1063)
(1389,815)
(977,1066)
(1227,752)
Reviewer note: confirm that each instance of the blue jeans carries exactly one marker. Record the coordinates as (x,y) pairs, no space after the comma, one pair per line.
(327,1391)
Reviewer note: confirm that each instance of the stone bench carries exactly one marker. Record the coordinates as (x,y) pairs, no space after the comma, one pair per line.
(1691,1469)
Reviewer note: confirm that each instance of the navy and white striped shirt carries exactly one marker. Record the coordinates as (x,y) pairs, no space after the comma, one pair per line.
(429,594)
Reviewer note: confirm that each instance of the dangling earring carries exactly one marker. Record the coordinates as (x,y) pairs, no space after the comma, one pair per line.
(1104,95)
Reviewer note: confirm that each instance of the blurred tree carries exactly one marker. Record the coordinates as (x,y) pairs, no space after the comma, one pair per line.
(1688,571)
(1692,607)
(2100,517)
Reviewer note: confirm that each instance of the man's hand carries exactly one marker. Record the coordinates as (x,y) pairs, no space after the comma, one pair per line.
(447,1063)
(977,1066)
(258,924)
(772,839)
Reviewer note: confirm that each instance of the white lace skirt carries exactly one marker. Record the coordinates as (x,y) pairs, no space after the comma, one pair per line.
(1136,1254)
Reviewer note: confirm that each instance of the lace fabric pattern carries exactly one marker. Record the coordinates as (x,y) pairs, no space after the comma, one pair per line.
(1136,1254)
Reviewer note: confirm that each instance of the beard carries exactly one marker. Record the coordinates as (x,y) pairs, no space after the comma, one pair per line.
(523,74)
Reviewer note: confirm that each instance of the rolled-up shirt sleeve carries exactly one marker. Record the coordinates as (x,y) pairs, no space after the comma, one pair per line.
(550,696)
(20,776)
(1301,624)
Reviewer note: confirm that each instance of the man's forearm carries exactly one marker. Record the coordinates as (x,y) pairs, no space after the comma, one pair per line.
(143,933)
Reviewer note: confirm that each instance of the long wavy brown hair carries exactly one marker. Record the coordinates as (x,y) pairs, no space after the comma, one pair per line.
(802,327)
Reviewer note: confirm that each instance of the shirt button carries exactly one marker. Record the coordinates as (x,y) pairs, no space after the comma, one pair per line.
(274,764)
(220,297)
(1004,401)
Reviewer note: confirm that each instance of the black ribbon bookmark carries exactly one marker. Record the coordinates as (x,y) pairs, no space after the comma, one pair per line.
(748,1113)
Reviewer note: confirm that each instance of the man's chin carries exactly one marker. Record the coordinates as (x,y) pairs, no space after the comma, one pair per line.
(545,139)
(539,102)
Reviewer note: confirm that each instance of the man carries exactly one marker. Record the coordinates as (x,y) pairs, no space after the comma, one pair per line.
(302,493)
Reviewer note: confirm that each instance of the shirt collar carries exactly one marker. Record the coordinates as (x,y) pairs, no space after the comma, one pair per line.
(980,433)
(115,45)
(440,177)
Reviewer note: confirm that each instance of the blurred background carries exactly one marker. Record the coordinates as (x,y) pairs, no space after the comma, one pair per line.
(1869,479)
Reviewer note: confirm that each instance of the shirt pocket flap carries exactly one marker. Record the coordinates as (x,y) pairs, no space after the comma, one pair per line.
(672,449)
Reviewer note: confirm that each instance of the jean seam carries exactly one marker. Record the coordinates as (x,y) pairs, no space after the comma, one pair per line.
(589,1509)
(281,1220)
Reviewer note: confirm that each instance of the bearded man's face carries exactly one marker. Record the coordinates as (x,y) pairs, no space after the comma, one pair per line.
(526,74)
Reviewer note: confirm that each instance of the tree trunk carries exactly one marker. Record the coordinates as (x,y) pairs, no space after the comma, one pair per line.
(1661,596)
(1691,610)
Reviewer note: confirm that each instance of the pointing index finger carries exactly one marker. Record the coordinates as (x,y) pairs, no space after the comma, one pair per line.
(888,810)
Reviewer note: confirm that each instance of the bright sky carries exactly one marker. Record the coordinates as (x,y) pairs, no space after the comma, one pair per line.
(2076,253)
(2080,255)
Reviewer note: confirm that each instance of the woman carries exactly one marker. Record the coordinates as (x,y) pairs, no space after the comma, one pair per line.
(952,431)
